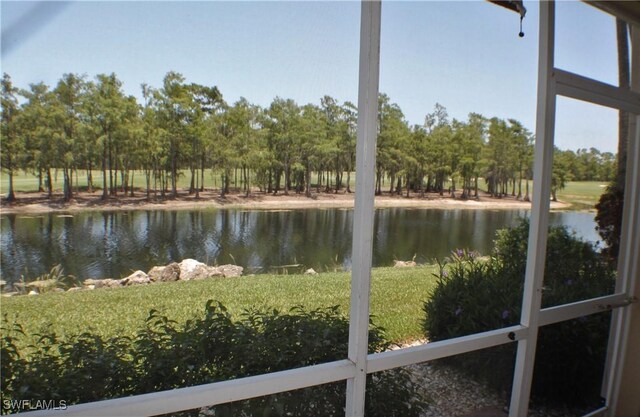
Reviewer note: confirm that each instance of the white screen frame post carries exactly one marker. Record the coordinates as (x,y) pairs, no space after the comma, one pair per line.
(364,210)
(538,229)
(620,375)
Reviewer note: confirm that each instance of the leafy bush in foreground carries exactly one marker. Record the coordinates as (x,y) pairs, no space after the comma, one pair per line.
(474,295)
(165,355)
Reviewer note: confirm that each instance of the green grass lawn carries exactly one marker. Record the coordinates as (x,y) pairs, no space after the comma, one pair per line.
(582,194)
(397,297)
(29,183)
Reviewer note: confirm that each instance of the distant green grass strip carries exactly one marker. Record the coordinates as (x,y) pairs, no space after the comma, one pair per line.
(397,297)
(582,195)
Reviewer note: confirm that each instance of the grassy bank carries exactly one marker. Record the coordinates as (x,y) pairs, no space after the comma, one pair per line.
(582,195)
(397,296)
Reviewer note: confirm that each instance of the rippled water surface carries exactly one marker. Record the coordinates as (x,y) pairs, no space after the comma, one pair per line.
(113,244)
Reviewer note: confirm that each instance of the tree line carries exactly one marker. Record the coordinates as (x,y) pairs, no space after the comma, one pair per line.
(91,124)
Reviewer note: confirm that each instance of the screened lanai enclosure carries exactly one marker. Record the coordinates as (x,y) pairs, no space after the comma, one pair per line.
(620,393)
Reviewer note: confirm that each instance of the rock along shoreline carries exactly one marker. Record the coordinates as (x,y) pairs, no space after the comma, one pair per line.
(186,270)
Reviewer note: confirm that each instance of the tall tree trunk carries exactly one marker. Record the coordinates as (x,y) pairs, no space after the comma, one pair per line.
(520,186)
(49,184)
(147,174)
(105,192)
(277,179)
(66,184)
(475,193)
(40,187)
(202,160)
(110,163)
(287,178)
(174,171)
(90,178)
(124,180)
(197,186)
(115,174)
(163,183)
(247,181)
(308,179)
(11,195)
(235,177)
(77,180)
(192,184)
(408,187)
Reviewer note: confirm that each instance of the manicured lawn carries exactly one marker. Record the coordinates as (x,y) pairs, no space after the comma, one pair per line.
(397,296)
(582,194)
(29,183)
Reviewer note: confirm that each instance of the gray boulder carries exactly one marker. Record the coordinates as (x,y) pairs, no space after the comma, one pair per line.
(191,269)
(230,271)
(102,283)
(167,273)
(137,278)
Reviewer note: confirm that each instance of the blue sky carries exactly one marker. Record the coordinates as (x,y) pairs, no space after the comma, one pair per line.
(465,55)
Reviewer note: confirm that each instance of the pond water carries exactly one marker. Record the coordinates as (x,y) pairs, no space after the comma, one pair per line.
(113,244)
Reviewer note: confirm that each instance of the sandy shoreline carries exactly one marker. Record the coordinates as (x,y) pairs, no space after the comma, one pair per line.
(34,203)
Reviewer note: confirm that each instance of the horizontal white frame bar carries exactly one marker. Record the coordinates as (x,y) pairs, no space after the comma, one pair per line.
(172,401)
(436,350)
(572,311)
(586,89)
(599,412)
(396,358)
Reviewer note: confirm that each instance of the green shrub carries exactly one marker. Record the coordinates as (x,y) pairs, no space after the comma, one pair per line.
(609,218)
(165,355)
(475,295)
